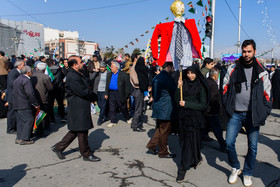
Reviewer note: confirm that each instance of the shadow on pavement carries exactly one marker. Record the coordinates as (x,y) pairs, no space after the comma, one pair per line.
(96,138)
(10,177)
(273,144)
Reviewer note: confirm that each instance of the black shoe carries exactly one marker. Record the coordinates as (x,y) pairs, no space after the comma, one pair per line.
(58,153)
(181,175)
(168,156)
(139,129)
(92,158)
(152,151)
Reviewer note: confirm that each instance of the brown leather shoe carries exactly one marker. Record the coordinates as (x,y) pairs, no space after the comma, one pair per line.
(25,142)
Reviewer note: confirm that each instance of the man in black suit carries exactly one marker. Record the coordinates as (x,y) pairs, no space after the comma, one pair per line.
(11,116)
(117,90)
(79,98)
(23,100)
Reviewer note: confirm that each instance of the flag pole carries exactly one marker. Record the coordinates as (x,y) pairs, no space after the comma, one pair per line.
(181,87)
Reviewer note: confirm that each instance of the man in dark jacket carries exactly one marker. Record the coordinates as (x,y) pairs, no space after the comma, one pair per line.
(247,100)
(23,100)
(57,92)
(11,115)
(79,98)
(99,79)
(215,107)
(163,90)
(43,85)
(117,89)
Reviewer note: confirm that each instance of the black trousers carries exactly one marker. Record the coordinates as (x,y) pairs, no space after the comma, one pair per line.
(139,104)
(114,102)
(70,137)
(102,103)
(3,82)
(11,119)
(57,94)
(25,120)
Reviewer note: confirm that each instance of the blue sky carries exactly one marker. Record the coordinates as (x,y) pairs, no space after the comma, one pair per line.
(120,25)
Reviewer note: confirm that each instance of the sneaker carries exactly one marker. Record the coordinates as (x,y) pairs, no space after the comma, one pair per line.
(233,176)
(247,180)
(129,121)
(111,124)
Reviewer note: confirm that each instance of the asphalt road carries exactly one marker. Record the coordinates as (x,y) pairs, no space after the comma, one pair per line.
(125,161)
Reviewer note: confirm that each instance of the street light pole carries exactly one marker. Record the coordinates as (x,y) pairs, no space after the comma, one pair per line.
(239,27)
(213,29)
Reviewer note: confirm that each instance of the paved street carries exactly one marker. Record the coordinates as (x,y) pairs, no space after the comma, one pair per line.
(125,161)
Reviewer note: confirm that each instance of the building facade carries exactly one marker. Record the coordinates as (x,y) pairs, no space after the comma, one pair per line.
(21,37)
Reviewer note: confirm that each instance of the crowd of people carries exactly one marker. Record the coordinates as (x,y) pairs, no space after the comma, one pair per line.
(188,106)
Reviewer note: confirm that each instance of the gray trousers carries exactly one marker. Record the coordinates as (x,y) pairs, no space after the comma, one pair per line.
(25,122)
(138,111)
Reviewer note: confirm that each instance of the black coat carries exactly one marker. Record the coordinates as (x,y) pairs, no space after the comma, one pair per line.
(12,76)
(23,94)
(275,89)
(123,85)
(79,98)
(215,106)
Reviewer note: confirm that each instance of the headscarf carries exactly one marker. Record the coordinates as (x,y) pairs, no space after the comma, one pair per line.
(142,74)
(192,88)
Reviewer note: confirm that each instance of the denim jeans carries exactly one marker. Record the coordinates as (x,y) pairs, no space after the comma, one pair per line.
(234,125)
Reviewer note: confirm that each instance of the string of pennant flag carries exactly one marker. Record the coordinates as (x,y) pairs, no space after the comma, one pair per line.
(206,4)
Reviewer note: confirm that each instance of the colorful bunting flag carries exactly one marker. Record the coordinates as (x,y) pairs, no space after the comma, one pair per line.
(136,39)
(167,18)
(206,9)
(190,4)
(203,14)
(152,28)
(142,35)
(131,43)
(147,32)
(199,3)
(192,10)
(35,50)
(126,46)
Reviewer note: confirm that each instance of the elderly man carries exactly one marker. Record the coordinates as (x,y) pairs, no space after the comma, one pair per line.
(42,84)
(23,100)
(79,97)
(11,115)
(117,88)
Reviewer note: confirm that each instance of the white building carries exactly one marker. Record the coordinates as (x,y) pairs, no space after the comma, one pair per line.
(21,37)
(67,43)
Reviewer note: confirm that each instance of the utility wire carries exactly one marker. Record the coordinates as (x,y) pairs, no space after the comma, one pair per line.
(26,13)
(78,10)
(236,19)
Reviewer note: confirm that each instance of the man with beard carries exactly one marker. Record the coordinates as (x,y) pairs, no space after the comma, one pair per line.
(79,98)
(247,100)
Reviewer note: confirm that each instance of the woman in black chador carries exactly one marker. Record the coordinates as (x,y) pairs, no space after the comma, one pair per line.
(191,118)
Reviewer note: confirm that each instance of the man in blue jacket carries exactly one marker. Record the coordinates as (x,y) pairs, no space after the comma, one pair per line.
(247,100)
(163,90)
